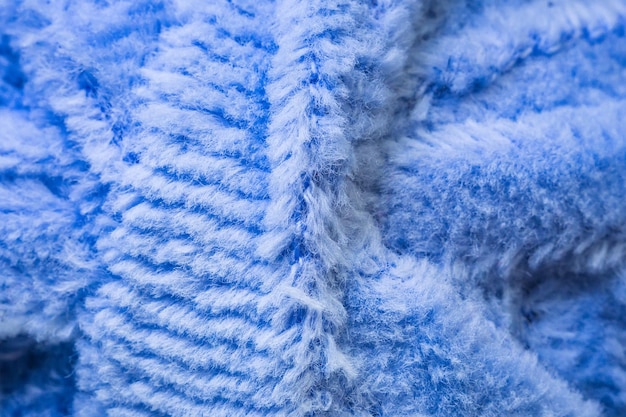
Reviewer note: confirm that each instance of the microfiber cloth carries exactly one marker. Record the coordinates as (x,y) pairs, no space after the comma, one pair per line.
(312,208)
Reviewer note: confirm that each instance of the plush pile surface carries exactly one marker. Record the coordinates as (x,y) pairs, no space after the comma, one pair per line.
(313,208)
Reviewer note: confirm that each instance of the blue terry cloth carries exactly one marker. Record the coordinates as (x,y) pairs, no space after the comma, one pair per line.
(313,208)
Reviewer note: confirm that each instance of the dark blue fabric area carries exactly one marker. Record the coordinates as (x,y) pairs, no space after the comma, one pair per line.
(35,373)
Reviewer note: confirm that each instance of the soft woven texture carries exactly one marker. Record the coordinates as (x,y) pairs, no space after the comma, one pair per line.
(284,208)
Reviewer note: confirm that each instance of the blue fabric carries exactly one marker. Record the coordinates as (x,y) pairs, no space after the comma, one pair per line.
(316,208)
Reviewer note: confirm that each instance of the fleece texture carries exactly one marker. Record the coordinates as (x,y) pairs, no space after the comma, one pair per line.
(313,208)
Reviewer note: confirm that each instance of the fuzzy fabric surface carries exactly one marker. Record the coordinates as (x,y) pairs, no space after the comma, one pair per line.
(313,208)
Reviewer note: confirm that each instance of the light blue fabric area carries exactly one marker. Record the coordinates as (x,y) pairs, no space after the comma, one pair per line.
(317,208)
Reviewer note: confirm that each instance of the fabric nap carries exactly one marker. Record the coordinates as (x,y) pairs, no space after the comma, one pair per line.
(315,208)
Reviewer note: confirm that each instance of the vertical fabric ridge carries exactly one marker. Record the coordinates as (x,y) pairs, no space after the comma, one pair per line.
(309,154)
(324,61)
